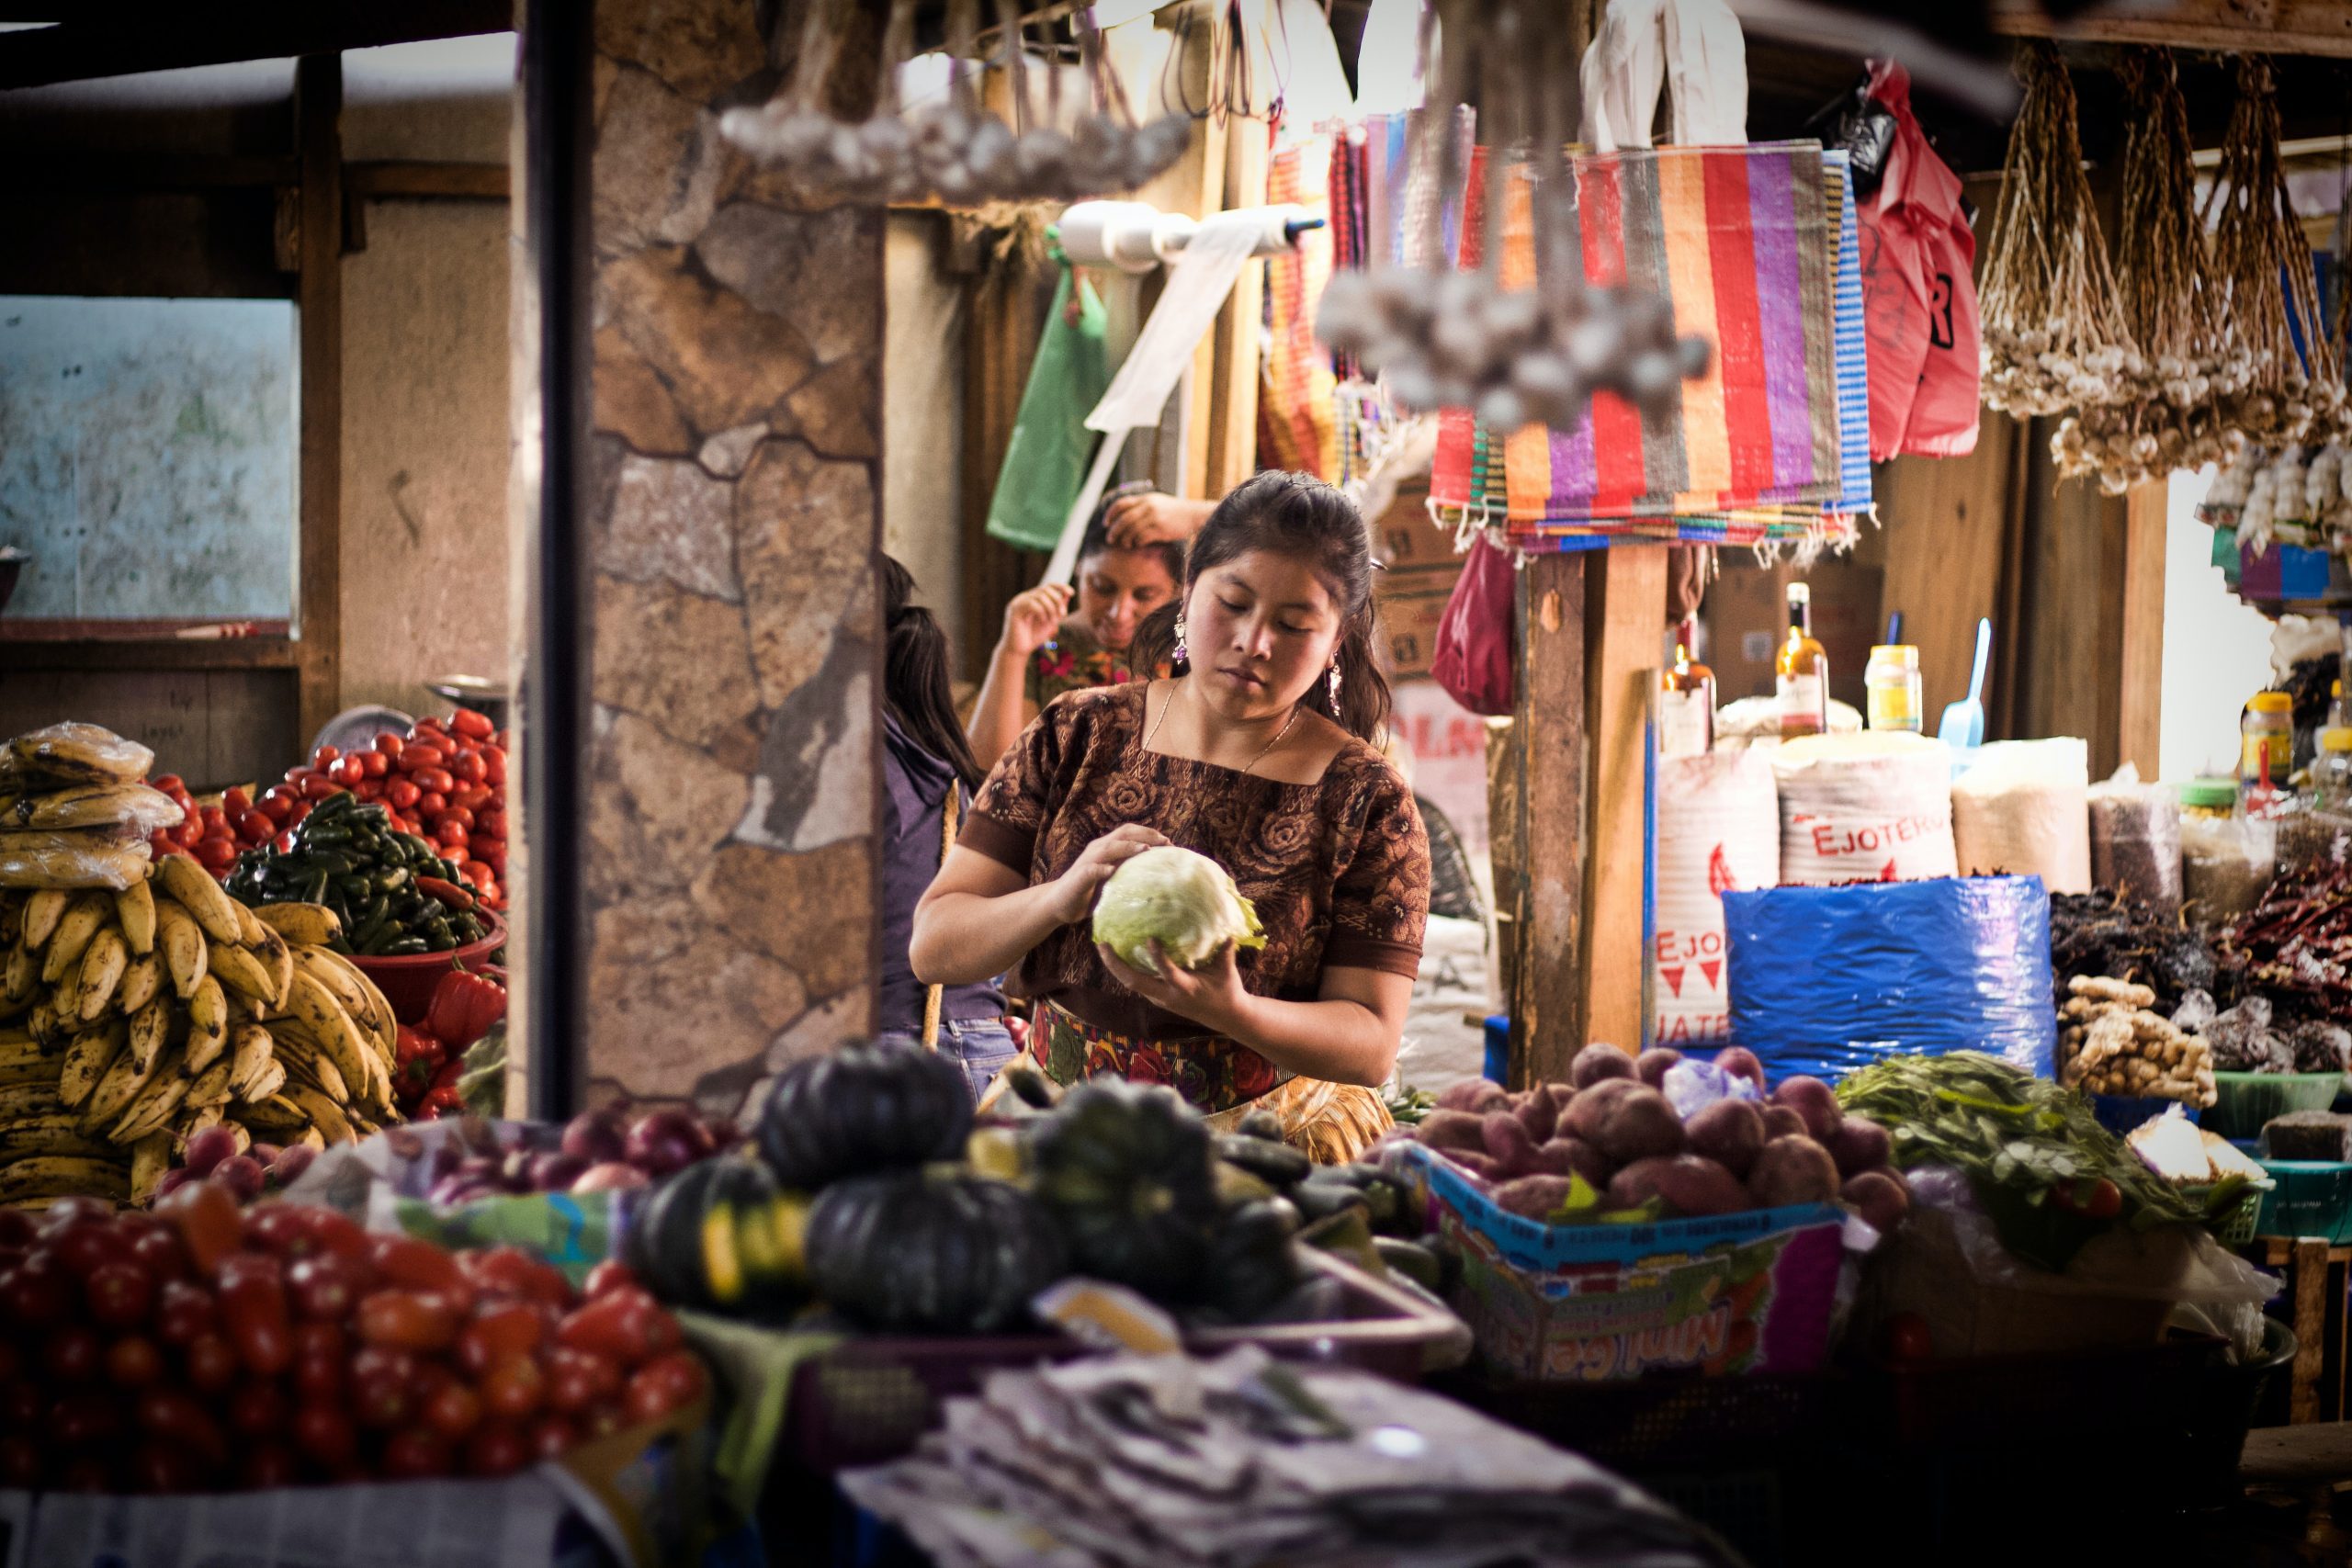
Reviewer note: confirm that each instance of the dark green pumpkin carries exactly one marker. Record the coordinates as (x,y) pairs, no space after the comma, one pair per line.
(861,1109)
(1124,1169)
(721,1236)
(1253,1265)
(931,1252)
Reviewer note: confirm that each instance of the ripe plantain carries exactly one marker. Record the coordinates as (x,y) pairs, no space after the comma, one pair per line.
(151,1107)
(208,1024)
(27,1060)
(242,972)
(140,981)
(148,1033)
(87,1059)
(273,1112)
(29,1100)
(303,925)
(269,1081)
(314,1007)
(325,1115)
(361,998)
(151,1157)
(134,911)
(185,950)
(96,805)
(43,910)
(122,1083)
(212,1085)
(306,1063)
(65,998)
(12,917)
(43,1024)
(73,933)
(103,964)
(49,1132)
(252,1051)
(203,897)
(59,1176)
(20,976)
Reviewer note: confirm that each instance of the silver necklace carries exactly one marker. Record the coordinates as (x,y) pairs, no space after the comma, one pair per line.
(1165,707)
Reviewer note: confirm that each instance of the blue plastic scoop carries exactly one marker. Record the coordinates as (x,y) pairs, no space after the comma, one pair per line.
(1962,726)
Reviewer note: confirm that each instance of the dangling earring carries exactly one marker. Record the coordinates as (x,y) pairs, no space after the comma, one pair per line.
(1335,688)
(1180,661)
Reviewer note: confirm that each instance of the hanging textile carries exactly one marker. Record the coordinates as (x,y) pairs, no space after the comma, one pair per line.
(1296,427)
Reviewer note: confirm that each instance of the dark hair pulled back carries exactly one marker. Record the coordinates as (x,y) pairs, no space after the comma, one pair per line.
(1298,516)
(1096,541)
(914,676)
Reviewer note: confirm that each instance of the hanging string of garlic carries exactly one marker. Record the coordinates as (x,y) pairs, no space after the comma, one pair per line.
(957,151)
(1450,339)
(2054,335)
(2270,393)
(2165,419)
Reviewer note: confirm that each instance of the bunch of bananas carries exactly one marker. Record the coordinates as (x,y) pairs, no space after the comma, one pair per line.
(72,812)
(130,1020)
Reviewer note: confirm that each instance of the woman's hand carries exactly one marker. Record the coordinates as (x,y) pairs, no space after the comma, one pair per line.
(1033,617)
(1075,888)
(1153,518)
(1212,997)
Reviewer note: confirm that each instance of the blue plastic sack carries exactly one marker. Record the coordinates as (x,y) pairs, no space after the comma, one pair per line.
(1824,980)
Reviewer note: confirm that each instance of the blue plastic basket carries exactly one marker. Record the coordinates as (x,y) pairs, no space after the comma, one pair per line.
(2120,1113)
(2312,1197)
(1497,1048)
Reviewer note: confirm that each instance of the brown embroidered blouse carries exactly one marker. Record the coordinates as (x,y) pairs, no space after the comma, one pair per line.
(1339,869)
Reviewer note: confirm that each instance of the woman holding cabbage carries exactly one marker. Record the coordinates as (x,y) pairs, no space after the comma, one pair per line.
(1257,755)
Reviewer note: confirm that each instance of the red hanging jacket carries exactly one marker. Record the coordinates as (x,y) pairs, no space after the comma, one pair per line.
(1918,292)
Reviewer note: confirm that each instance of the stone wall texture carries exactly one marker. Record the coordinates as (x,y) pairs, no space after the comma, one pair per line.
(733,497)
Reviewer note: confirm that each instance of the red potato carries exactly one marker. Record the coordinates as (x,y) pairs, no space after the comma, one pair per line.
(1741,1062)
(1813,1101)
(1731,1132)
(1650,1065)
(1533,1197)
(1562,1094)
(1782,1121)
(1791,1172)
(1688,1185)
(1540,1114)
(1597,1062)
(1857,1145)
(1476,1096)
(1557,1158)
(1878,1197)
(1485,1167)
(1639,1125)
(1451,1130)
(1508,1143)
(1591,1107)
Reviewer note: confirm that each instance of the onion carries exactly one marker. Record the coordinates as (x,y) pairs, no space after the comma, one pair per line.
(593,1137)
(555,1172)
(610,1176)
(291,1162)
(209,1148)
(665,1141)
(241,1173)
(172,1182)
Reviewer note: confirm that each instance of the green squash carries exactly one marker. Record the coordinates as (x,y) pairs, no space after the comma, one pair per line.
(1253,1266)
(721,1236)
(861,1109)
(931,1252)
(1126,1171)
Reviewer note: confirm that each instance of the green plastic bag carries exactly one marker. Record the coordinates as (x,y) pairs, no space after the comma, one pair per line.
(1045,464)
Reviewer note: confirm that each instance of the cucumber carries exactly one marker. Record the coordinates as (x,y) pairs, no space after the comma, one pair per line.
(1276,1163)
(404,946)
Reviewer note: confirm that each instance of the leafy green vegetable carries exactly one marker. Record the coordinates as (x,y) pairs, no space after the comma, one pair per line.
(2032,1150)
(1183,901)
(1407,1105)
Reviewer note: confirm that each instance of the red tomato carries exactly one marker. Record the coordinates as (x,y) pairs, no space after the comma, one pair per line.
(283,843)
(255,1312)
(216,854)
(431,804)
(415,1452)
(134,1362)
(266,1466)
(327,1438)
(208,1221)
(627,1324)
(402,793)
(74,1354)
(380,1399)
(80,1420)
(492,822)
(448,829)
(473,797)
(458,814)
(318,786)
(580,1379)
(432,781)
(294,777)
(473,725)
(257,1409)
(498,1449)
(85,1249)
(36,1294)
(211,1362)
(453,1410)
(326,1287)
(609,1276)
(506,1328)
(493,760)
(302,810)
(510,1270)
(236,801)
(391,745)
(420,756)
(468,767)
(188,836)
(183,1311)
(275,804)
(278,1229)
(256,827)
(552,1437)
(374,764)
(215,821)
(418,1266)
(410,1320)
(370,789)
(173,1416)
(665,1383)
(514,1386)
(318,1359)
(323,755)
(170,783)
(119,1295)
(158,1250)
(161,1469)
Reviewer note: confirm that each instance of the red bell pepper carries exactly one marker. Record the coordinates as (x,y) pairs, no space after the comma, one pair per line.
(416,1057)
(440,1103)
(463,1008)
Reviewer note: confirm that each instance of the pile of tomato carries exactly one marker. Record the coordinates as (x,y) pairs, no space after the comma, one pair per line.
(205,1347)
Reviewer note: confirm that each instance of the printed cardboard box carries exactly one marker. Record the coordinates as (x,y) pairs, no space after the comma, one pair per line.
(1725,1296)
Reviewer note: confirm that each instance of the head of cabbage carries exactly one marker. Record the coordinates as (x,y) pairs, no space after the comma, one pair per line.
(1181,900)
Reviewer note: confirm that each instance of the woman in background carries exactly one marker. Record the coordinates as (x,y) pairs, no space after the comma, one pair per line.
(926,765)
(1048,649)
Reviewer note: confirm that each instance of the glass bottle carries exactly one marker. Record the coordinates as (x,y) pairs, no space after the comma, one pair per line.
(2266,752)
(1801,671)
(1686,718)
(1892,687)
(2332,770)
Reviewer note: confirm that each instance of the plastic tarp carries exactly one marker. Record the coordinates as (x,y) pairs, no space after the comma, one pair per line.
(1828,979)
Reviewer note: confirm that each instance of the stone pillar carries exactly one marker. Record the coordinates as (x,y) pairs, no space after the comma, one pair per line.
(734,641)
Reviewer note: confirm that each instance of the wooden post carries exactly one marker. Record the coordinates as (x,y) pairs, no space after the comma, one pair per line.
(318,95)
(1548,1004)
(1625,625)
(2140,690)
(1232,453)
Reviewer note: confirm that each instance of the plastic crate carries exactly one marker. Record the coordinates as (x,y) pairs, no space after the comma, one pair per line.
(869,1399)
(2243,1101)
(2312,1197)
(2242,1223)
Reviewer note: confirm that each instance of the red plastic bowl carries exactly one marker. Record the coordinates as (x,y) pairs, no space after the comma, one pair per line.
(407,979)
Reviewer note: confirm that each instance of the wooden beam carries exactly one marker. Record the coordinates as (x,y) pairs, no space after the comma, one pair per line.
(1625,625)
(1232,455)
(417,179)
(125,39)
(2141,662)
(2233,27)
(1547,1006)
(82,172)
(28,654)
(318,101)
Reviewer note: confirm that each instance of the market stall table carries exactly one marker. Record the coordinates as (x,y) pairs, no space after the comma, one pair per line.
(2317,1278)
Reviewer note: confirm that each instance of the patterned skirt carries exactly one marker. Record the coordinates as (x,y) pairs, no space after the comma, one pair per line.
(1225,1080)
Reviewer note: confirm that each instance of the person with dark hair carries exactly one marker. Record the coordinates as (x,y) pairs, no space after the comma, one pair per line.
(1257,751)
(1049,648)
(928,771)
